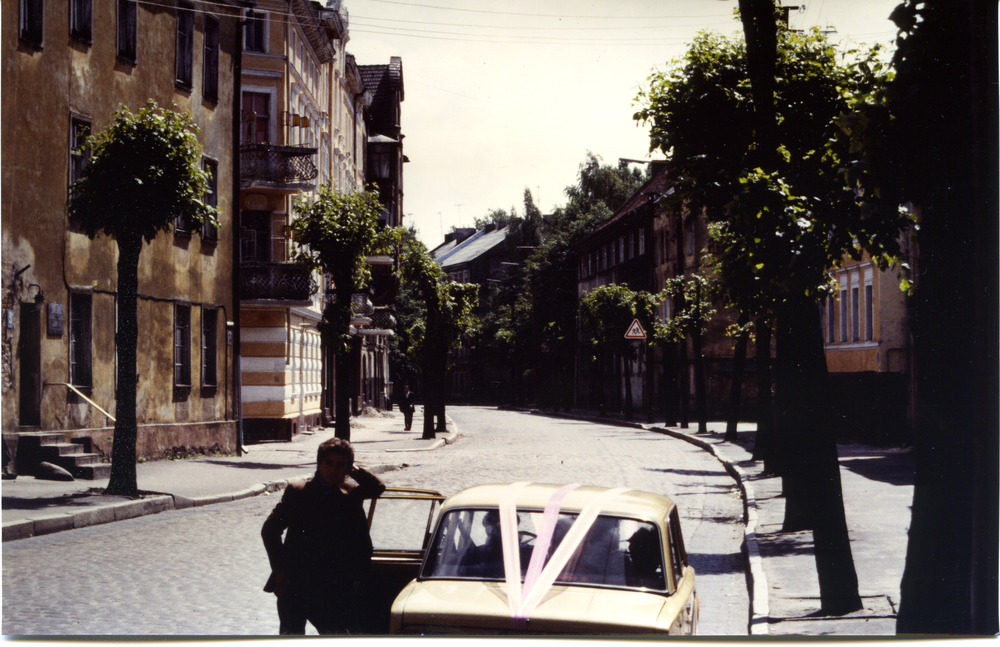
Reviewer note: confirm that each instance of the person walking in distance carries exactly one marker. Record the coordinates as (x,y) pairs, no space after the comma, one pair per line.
(408,406)
(317,571)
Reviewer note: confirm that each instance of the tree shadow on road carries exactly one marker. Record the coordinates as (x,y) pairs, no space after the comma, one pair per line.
(890,469)
(716,563)
(261,466)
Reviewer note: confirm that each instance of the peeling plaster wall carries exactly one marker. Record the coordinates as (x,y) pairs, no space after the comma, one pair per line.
(44,88)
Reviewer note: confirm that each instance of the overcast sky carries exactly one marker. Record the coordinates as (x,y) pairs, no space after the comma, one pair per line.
(503,96)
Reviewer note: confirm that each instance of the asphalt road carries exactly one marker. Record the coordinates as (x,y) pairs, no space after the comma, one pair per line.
(200,571)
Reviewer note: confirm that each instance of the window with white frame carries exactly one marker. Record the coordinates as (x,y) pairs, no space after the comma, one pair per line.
(855,308)
(210,67)
(80,12)
(182,345)
(255,34)
(209,347)
(843,309)
(185,46)
(127,29)
(869,305)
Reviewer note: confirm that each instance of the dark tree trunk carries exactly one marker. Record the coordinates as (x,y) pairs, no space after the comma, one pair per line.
(811,478)
(761,31)
(627,405)
(669,386)
(700,397)
(339,314)
(764,444)
(122,480)
(647,390)
(736,387)
(949,584)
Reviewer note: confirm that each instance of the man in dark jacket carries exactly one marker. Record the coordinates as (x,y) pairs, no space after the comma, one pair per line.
(318,570)
(408,405)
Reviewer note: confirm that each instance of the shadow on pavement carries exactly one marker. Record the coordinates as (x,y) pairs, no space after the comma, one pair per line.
(260,466)
(894,470)
(796,543)
(83,499)
(716,563)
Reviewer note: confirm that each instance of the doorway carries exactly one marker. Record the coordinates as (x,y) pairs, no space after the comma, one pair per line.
(29,352)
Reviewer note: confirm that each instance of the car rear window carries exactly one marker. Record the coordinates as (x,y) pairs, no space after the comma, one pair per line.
(615,551)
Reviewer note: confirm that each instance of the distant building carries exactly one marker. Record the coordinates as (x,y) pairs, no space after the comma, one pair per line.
(384,161)
(68,65)
(641,246)
(470,256)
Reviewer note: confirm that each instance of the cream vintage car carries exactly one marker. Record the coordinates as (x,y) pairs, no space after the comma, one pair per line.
(551,559)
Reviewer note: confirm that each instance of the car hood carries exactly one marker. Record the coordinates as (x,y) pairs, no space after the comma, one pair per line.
(448,606)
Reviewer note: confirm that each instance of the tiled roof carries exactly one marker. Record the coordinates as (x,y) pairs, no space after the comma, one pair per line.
(384,81)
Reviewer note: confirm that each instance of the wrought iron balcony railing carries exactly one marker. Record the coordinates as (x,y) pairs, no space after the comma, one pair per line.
(277,164)
(261,281)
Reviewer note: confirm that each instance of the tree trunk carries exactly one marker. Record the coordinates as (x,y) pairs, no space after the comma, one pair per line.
(122,480)
(340,311)
(811,478)
(647,389)
(764,443)
(700,397)
(736,387)
(669,387)
(627,404)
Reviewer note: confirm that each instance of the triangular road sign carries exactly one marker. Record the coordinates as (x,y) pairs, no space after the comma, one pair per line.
(635,331)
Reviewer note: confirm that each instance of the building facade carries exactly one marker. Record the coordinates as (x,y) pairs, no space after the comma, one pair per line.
(869,351)
(293,138)
(67,67)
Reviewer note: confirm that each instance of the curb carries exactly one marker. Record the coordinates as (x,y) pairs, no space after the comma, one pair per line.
(757,586)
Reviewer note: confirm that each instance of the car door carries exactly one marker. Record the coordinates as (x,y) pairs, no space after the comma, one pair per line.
(400,522)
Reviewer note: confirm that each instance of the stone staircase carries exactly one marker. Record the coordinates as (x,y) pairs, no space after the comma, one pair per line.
(72,454)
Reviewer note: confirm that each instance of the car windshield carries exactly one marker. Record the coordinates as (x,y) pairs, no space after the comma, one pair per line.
(615,551)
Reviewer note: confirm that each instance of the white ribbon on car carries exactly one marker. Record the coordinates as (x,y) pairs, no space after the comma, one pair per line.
(540,579)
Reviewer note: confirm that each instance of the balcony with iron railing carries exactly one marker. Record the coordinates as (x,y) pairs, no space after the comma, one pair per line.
(270,283)
(279,167)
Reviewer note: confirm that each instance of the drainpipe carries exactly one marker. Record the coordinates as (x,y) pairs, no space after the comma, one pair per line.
(235,208)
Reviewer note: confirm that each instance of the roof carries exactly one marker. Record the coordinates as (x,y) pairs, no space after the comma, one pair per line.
(651,190)
(384,81)
(631,503)
(483,241)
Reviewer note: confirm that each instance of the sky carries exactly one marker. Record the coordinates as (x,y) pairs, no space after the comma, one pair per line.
(506,96)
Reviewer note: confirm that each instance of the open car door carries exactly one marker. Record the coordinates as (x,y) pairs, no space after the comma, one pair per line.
(400,522)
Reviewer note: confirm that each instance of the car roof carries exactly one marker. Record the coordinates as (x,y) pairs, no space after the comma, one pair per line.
(631,503)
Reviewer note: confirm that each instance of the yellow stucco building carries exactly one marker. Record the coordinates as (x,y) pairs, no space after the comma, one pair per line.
(67,66)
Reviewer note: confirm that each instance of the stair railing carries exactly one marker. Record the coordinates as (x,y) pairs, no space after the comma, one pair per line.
(77,391)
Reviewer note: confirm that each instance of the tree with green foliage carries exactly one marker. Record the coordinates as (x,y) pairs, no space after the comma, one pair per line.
(144,170)
(692,296)
(335,233)
(448,316)
(787,213)
(606,312)
(549,271)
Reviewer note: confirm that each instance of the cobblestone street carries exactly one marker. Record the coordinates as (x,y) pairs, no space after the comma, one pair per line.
(200,571)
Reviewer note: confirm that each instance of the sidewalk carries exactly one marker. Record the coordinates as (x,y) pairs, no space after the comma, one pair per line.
(35,506)
(784,589)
